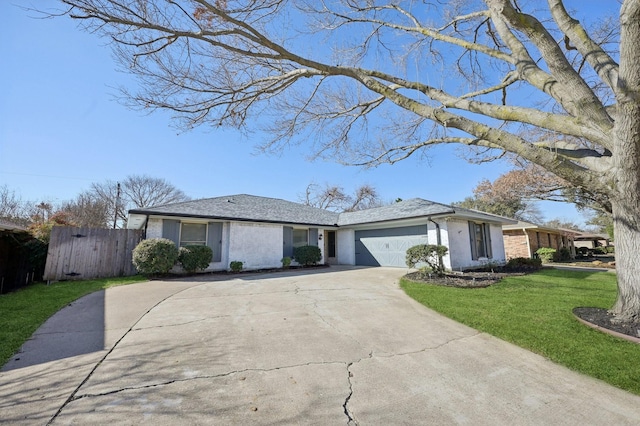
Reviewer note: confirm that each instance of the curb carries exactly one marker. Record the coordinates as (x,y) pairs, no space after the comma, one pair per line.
(607,331)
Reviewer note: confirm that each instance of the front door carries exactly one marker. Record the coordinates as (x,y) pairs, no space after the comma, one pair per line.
(330,246)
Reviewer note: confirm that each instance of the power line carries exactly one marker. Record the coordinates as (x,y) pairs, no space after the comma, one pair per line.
(47,176)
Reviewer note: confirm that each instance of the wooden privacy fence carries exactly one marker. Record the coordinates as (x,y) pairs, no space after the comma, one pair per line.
(85,253)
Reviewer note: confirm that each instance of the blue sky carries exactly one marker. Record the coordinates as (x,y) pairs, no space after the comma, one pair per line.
(61,129)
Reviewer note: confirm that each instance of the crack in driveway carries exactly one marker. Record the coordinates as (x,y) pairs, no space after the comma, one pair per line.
(345,406)
(205,377)
(297,290)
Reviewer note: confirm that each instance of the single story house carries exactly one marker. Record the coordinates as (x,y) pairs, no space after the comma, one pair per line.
(260,231)
(523,239)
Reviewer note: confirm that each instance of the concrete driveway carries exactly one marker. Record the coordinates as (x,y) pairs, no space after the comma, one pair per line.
(334,346)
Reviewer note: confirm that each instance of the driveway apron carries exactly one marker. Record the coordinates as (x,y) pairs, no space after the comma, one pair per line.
(340,345)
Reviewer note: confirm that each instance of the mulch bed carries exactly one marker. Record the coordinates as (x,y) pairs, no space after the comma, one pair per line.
(462,280)
(601,318)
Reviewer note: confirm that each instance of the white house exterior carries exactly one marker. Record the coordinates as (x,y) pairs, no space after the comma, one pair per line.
(260,231)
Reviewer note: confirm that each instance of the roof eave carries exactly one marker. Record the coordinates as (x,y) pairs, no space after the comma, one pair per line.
(228,218)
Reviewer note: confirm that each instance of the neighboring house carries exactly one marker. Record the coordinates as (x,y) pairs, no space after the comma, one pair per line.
(523,239)
(591,241)
(260,231)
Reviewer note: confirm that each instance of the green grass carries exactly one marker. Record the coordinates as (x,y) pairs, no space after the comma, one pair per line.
(23,311)
(535,313)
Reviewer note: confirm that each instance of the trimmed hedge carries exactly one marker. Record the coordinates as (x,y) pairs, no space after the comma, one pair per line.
(195,258)
(236,266)
(523,263)
(307,255)
(155,256)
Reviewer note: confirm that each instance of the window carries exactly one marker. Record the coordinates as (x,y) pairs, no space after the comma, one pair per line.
(300,237)
(193,234)
(480,237)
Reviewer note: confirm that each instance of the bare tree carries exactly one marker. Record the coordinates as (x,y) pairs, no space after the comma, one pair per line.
(398,77)
(136,191)
(366,197)
(87,209)
(12,207)
(333,197)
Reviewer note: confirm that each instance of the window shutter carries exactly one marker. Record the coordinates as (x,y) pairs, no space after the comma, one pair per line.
(472,241)
(287,241)
(313,237)
(214,240)
(171,230)
(487,232)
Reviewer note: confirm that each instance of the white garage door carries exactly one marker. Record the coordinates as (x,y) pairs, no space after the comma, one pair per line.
(388,247)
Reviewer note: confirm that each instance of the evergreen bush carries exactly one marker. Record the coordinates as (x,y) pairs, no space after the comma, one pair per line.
(286,262)
(236,266)
(429,254)
(307,255)
(519,263)
(563,255)
(546,254)
(155,256)
(195,258)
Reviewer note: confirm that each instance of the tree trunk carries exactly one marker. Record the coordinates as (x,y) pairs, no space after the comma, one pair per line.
(627,242)
(626,162)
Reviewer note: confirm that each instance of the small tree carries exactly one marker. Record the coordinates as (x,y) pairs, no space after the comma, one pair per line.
(155,256)
(195,258)
(307,255)
(430,254)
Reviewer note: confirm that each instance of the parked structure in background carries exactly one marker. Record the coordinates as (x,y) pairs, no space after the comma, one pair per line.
(592,241)
(523,239)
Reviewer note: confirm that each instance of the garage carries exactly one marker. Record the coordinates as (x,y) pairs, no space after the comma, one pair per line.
(388,246)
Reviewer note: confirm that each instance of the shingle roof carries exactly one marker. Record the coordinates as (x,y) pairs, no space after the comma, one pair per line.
(406,209)
(6,225)
(246,207)
(262,209)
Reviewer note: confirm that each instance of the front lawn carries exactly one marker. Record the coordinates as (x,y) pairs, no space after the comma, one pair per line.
(23,311)
(534,312)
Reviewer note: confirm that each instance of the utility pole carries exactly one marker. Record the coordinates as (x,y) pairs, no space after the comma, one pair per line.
(115,215)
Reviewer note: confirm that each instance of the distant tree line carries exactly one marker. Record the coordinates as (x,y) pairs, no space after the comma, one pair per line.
(103,205)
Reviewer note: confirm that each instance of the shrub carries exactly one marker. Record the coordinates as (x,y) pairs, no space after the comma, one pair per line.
(610,249)
(563,255)
(36,251)
(194,258)
(286,262)
(307,255)
(429,254)
(546,254)
(236,266)
(155,256)
(520,263)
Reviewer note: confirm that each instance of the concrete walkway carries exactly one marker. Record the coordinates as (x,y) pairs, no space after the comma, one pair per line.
(336,346)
